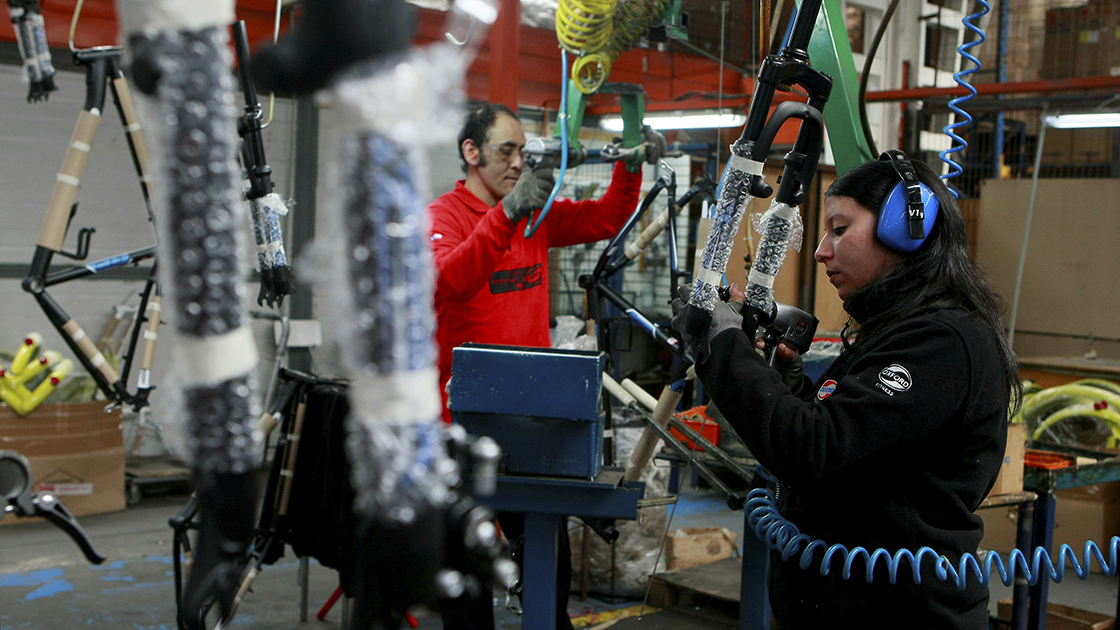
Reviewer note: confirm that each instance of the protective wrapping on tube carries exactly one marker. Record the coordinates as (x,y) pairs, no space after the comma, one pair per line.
(381,275)
(198,200)
(31,38)
(265,214)
(728,214)
(781,228)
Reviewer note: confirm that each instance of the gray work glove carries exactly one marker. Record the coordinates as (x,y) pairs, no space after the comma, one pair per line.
(651,150)
(792,373)
(655,144)
(530,193)
(726,315)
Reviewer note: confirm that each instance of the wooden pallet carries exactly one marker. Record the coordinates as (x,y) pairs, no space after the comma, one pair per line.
(717,580)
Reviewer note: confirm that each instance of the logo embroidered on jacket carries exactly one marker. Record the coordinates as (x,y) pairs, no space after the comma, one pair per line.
(510,280)
(894,378)
(826,389)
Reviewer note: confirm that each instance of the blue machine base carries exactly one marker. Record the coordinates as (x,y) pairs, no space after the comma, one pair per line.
(533,445)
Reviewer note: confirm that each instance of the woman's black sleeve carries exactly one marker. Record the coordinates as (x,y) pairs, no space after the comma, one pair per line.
(893,397)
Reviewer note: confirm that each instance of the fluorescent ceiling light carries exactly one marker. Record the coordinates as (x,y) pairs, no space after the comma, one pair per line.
(1084,121)
(681,120)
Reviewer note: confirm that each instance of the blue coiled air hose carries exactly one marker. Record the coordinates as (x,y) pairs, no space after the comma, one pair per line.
(780,534)
(959,143)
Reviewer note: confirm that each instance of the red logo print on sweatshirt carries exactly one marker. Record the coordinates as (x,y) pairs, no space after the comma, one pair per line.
(826,389)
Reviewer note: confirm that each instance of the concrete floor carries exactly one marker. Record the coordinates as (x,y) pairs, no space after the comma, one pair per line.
(46,584)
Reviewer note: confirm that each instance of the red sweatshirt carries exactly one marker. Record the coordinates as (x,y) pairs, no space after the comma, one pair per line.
(492,282)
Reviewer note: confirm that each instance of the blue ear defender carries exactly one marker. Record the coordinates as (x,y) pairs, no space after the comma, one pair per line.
(910,209)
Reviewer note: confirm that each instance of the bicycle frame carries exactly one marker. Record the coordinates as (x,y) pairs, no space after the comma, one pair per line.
(102,66)
(612,261)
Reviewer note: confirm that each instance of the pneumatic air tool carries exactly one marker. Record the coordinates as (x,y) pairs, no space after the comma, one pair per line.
(545,153)
(791,326)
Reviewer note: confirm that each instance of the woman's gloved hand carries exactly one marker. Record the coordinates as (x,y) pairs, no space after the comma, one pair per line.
(789,366)
(529,193)
(726,315)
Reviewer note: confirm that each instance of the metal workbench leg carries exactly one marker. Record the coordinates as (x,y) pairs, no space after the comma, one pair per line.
(1043,537)
(1020,589)
(539,581)
(304,579)
(754,598)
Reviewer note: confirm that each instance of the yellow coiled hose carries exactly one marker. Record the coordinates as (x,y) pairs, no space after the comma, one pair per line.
(599,31)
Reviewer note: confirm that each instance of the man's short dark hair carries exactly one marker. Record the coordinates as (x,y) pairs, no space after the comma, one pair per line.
(478,124)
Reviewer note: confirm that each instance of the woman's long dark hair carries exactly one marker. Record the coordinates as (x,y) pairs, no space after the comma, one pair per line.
(940,274)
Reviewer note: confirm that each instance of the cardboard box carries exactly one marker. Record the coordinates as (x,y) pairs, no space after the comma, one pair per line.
(76,451)
(1092,146)
(1062,617)
(1058,146)
(1092,44)
(1060,43)
(1081,514)
(690,547)
(1010,479)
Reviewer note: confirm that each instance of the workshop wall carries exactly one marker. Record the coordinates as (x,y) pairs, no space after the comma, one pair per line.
(1069,291)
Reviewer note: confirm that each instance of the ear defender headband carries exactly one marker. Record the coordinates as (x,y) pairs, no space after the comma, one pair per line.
(910,209)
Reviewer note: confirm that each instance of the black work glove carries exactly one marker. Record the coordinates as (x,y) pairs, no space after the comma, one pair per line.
(726,315)
(530,193)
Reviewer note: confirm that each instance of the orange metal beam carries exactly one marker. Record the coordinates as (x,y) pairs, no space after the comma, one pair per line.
(505,46)
(1021,87)
(529,56)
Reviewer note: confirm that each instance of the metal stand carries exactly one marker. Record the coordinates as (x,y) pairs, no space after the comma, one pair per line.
(545,501)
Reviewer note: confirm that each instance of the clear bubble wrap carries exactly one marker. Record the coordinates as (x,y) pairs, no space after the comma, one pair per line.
(781,228)
(199,181)
(398,469)
(265,216)
(624,568)
(31,38)
(726,218)
(373,260)
(388,259)
(200,210)
(222,431)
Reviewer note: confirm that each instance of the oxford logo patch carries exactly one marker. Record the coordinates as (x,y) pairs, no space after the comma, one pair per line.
(896,377)
(826,389)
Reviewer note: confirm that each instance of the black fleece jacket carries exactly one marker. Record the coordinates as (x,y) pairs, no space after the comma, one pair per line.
(894,447)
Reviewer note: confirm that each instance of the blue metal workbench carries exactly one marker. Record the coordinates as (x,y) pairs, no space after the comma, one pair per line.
(1045,483)
(546,501)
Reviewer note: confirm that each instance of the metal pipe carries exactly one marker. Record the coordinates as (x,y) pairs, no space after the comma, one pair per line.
(1026,232)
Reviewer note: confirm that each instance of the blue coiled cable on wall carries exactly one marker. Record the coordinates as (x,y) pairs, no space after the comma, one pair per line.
(780,534)
(959,143)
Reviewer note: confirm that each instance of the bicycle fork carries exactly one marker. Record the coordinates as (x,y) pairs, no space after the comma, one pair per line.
(184,64)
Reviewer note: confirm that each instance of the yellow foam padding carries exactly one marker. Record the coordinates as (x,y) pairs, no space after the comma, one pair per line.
(28,349)
(593,619)
(51,383)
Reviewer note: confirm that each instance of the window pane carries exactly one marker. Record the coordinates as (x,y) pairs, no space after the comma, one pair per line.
(854,20)
(941,48)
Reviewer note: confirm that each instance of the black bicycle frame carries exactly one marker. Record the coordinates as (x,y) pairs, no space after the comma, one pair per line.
(102,65)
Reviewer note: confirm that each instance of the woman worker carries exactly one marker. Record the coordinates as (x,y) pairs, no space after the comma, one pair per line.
(901,438)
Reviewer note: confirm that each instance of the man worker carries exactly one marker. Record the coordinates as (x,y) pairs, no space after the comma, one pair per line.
(492,281)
